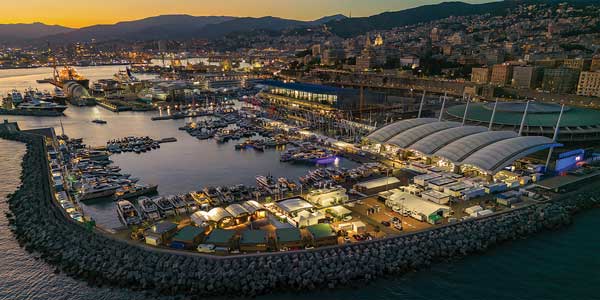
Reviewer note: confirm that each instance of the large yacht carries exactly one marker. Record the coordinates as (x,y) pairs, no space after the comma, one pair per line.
(40,105)
(128,214)
(94,191)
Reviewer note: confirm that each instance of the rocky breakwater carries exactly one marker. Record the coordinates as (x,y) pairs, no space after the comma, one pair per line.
(41,227)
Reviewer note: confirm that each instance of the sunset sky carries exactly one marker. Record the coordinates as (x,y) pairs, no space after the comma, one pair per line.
(80,13)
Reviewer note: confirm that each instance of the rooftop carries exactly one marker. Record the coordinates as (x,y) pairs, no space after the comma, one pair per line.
(284,235)
(294,204)
(220,236)
(162,227)
(321,231)
(303,87)
(257,236)
(538,114)
(188,233)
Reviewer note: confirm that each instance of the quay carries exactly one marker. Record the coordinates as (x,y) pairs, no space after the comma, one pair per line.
(24,112)
(112,107)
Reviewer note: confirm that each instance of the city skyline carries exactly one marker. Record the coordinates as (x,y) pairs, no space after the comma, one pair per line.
(114,11)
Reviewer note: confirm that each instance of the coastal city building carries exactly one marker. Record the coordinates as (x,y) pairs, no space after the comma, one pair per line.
(589,84)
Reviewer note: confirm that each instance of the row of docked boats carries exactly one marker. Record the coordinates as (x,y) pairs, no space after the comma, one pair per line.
(321,177)
(132,144)
(269,186)
(33,99)
(155,208)
(309,153)
(93,177)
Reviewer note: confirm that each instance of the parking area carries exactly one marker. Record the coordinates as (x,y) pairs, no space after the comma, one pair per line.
(375,213)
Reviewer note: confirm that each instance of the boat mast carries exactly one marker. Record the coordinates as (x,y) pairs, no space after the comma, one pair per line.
(421,106)
(555,137)
(524,117)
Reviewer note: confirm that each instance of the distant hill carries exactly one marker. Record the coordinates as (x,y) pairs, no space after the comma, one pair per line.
(427,13)
(11,33)
(181,27)
(264,23)
(327,19)
(153,28)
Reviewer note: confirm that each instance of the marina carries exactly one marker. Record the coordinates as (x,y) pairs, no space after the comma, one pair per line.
(309,153)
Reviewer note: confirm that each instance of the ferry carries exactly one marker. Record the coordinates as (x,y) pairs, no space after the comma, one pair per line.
(102,190)
(40,105)
(149,208)
(128,214)
(164,205)
(178,204)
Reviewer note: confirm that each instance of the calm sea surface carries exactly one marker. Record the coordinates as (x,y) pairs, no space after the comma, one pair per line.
(555,265)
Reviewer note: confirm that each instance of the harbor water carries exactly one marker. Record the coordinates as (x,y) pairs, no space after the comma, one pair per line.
(180,167)
(552,265)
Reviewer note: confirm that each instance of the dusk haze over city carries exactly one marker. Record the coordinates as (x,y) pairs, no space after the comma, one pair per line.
(302,150)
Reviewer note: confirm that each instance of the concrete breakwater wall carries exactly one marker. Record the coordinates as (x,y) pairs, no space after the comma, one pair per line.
(41,227)
(24,112)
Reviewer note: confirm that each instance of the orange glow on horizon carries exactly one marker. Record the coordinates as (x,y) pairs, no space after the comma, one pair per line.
(81,13)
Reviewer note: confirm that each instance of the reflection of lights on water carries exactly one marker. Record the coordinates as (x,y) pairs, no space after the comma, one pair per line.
(96,111)
(336,162)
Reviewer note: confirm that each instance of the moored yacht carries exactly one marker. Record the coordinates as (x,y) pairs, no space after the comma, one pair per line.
(178,204)
(95,191)
(149,208)
(16,97)
(128,214)
(267,184)
(164,205)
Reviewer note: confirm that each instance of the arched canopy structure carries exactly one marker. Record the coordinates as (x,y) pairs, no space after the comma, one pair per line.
(409,137)
(489,151)
(495,157)
(237,210)
(460,149)
(436,141)
(385,133)
(217,216)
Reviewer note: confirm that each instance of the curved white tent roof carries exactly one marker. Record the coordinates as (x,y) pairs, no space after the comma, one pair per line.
(436,141)
(237,210)
(383,134)
(503,153)
(489,151)
(409,137)
(460,149)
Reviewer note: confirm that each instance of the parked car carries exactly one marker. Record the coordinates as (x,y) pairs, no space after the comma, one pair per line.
(206,248)
(386,223)
(358,237)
